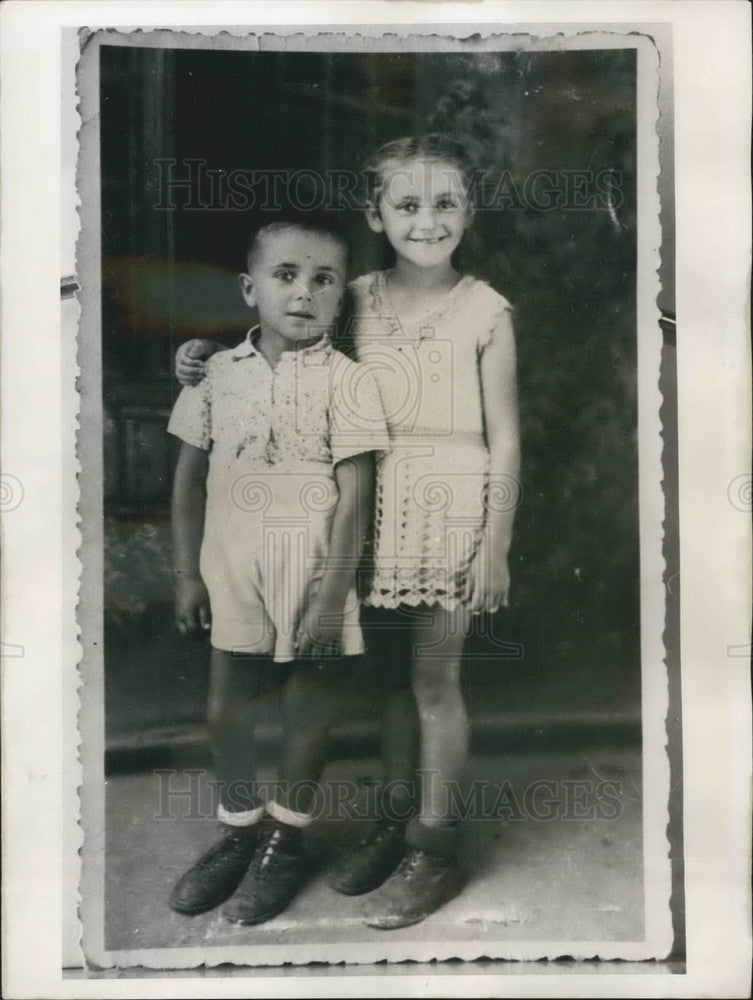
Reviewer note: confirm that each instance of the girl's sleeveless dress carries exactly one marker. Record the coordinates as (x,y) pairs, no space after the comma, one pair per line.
(432,484)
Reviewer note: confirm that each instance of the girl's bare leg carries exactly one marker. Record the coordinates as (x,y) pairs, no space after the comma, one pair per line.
(381,843)
(389,639)
(443,719)
(430,873)
(400,753)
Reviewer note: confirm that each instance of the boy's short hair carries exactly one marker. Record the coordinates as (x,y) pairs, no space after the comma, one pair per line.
(309,222)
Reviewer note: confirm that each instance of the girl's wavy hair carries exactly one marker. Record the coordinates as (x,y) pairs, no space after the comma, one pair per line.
(434,146)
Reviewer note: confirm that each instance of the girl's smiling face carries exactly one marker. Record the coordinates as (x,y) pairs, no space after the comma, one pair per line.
(423,209)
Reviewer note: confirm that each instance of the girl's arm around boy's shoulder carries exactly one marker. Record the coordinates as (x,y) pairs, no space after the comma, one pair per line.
(191,358)
(360,285)
(360,301)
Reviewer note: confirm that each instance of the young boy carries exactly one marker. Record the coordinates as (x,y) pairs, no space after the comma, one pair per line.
(272,493)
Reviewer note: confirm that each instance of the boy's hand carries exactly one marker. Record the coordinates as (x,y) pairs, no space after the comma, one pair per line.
(192,613)
(489,580)
(189,360)
(316,636)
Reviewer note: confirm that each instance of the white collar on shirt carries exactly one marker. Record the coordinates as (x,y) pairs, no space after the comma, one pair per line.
(248,349)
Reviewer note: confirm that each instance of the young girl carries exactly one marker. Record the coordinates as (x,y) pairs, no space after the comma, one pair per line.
(440,345)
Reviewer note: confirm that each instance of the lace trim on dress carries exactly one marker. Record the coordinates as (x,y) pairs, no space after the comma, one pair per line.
(414,599)
(377,304)
(383,307)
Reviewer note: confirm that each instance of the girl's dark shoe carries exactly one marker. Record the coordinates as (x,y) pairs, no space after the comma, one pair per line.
(217,874)
(421,884)
(371,861)
(279,869)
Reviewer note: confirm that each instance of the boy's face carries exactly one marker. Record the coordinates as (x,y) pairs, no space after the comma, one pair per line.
(423,210)
(296,280)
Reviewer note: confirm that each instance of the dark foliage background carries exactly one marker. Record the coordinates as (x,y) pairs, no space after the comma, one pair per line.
(570,273)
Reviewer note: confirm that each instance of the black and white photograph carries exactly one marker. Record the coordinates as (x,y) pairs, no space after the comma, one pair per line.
(378,386)
(404,504)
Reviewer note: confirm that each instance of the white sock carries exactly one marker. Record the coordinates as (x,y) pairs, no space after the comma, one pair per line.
(246,818)
(284,815)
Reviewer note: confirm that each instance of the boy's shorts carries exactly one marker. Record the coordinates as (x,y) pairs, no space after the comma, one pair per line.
(265,543)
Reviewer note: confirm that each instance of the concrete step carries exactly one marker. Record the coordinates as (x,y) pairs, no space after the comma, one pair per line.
(160,746)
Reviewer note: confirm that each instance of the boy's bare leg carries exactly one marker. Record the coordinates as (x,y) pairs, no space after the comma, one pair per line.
(243,692)
(311,704)
(280,868)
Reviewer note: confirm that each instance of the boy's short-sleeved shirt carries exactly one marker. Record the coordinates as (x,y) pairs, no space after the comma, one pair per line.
(274,438)
(316,406)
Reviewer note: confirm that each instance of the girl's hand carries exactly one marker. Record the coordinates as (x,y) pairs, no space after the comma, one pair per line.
(488,580)
(316,636)
(192,612)
(189,360)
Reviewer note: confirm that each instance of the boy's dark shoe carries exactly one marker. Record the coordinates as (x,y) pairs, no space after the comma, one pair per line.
(421,885)
(371,861)
(279,869)
(217,874)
